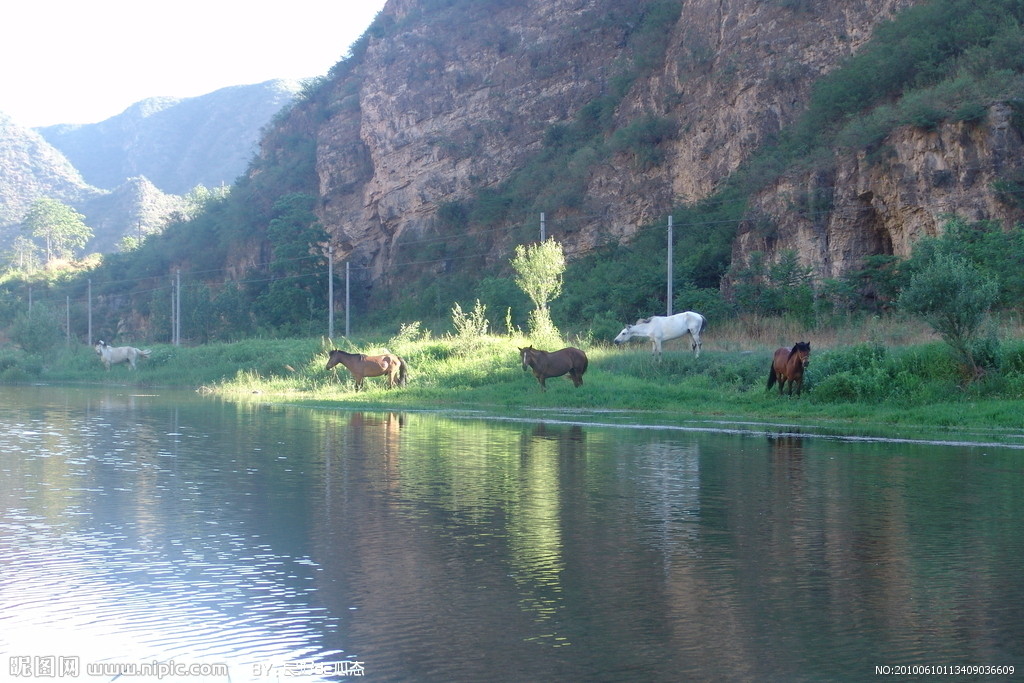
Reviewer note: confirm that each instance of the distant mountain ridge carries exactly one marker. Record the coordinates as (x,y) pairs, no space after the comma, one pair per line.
(31,168)
(176,143)
(124,173)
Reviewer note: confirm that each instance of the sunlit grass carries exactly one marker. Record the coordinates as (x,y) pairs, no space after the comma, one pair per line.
(859,375)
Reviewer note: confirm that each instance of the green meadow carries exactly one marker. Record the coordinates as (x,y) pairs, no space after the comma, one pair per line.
(852,387)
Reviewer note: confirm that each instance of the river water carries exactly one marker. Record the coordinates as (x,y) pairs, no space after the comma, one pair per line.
(251,542)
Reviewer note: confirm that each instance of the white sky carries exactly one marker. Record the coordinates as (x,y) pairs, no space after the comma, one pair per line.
(83,61)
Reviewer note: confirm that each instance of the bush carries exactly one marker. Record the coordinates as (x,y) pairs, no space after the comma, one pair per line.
(954,298)
(38,332)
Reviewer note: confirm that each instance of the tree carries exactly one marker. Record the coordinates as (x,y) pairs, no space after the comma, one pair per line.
(62,229)
(298,264)
(539,269)
(954,298)
(23,254)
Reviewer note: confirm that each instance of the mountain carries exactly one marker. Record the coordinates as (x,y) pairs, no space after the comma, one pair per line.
(847,133)
(124,174)
(460,122)
(176,143)
(769,131)
(31,168)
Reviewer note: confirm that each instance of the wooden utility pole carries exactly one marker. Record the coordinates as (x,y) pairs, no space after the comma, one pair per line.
(330,291)
(668,294)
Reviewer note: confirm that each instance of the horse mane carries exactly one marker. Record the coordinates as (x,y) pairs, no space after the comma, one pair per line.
(801,346)
(643,321)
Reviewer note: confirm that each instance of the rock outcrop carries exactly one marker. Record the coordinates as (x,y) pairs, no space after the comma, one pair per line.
(439,110)
(884,203)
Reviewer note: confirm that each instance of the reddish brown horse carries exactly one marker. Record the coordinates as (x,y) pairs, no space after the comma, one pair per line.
(555,364)
(788,365)
(362,366)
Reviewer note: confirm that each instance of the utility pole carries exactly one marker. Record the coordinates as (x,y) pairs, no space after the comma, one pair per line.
(543,230)
(89,310)
(668,295)
(330,291)
(177,308)
(173,323)
(347,307)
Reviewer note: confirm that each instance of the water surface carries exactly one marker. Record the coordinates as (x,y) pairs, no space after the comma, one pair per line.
(296,544)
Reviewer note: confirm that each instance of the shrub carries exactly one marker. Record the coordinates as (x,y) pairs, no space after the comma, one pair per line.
(954,298)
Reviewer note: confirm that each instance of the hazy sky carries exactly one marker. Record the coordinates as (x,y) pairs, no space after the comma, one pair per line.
(82,61)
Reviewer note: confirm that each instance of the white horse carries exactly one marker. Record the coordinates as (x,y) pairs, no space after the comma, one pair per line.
(112,355)
(661,328)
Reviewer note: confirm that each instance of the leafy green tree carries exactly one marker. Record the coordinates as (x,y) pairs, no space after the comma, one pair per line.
(539,268)
(23,254)
(298,267)
(954,298)
(792,282)
(38,331)
(62,229)
(996,252)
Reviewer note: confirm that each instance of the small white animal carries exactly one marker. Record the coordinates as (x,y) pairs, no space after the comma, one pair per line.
(112,355)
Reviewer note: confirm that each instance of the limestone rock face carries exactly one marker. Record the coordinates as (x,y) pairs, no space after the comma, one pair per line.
(884,205)
(449,102)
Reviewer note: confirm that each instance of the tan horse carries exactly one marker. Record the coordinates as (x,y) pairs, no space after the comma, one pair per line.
(555,364)
(362,366)
(788,365)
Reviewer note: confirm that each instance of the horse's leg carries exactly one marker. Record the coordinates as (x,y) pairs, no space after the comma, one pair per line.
(696,343)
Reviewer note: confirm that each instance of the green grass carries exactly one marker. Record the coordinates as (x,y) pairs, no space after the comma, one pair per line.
(854,389)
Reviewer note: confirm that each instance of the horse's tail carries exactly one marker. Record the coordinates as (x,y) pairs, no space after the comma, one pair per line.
(145,352)
(703,322)
(403,371)
(771,376)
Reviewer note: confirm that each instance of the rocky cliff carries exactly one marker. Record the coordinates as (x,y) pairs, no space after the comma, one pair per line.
(448,103)
(883,203)
(447,130)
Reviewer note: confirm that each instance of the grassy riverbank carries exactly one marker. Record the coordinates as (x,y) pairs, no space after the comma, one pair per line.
(851,387)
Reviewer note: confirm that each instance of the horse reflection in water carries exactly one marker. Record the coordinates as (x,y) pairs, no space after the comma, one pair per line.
(788,365)
(570,361)
(362,366)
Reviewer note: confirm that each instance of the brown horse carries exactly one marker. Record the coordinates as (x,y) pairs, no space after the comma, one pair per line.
(789,365)
(555,364)
(362,366)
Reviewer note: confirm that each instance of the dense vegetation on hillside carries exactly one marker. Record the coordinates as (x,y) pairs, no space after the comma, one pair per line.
(942,60)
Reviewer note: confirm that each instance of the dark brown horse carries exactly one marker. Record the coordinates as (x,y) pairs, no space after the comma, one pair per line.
(362,366)
(555,364)
(788,365)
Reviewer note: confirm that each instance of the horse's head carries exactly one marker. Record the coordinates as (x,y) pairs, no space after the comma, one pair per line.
(333,358)
(802,350)
(100,345)
(526,355)
(625,335)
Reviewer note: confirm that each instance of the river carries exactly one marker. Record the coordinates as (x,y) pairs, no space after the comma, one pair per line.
(160,535)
